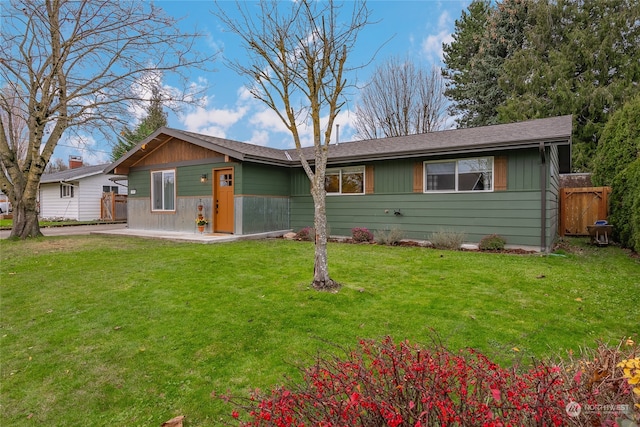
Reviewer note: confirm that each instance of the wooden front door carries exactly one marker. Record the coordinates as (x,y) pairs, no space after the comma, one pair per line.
(223,201)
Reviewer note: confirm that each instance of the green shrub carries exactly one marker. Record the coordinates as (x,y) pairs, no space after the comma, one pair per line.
(361,235)
(492,242)
(390,237)
(307,234)
(625,207)
(450,240)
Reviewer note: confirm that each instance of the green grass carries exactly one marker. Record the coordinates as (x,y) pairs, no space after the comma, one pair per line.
(102,330)
(6,224)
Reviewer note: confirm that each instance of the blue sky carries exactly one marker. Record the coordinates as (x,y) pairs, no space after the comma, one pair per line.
(415,29)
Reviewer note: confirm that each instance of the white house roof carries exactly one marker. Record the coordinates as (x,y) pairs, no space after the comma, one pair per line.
(73,174)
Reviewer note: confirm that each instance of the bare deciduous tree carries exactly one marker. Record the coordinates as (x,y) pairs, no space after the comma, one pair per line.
(70,67)
(16,121)
(297,62)
(401,99)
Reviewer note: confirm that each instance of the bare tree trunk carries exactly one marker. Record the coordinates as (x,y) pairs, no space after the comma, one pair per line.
(321,279)
(25,221)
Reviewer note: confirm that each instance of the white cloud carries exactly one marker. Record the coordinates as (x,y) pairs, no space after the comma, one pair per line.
(259,137)
(432,44)
(201,118)
(81,145)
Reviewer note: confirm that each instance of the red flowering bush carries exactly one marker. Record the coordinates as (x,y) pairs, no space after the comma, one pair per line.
(388,384)
(361,235)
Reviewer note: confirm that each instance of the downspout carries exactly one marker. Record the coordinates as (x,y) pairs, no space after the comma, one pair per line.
(543,197)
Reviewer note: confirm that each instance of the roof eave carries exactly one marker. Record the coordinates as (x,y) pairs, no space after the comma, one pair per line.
(448,151)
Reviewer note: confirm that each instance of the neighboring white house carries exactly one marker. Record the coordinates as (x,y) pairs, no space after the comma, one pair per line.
(77,193)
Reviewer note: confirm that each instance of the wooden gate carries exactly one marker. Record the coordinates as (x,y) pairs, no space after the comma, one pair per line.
(580,207)
(113,207)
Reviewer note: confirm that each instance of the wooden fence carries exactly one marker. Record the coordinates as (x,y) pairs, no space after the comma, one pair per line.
(113,207)
(580,207)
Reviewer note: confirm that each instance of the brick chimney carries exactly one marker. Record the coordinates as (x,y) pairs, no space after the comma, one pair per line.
(75,162)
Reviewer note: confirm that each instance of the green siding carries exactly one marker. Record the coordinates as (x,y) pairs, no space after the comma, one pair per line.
(393,176)
(270,198)
(188,179)
(514,215)
(523,170)
(553,194)
(264,180)
(139,181)
(300,185)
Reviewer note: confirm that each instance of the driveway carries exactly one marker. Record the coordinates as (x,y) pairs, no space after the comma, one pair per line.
(72,229)
(122,230)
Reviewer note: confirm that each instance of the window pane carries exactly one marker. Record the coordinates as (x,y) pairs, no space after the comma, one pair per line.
(474,174)
(156,190)
(332,182)
(440,176)
(353,181)
(168,191)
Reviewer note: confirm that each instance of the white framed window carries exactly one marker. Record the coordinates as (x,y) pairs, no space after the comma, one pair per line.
(66,191)
(474,174)
(110,189)
(163,190)
(348,180)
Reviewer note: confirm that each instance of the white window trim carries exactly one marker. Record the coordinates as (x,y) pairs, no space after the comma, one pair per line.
(455,161)
(340,193)
(175,189)
(66,190)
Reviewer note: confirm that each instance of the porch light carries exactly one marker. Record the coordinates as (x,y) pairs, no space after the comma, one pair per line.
(203,178)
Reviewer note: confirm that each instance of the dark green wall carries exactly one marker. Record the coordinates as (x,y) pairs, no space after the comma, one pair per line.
(515,214)
(258,179)
(263,202)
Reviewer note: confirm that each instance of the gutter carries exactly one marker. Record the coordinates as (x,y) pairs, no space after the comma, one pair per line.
(543,197)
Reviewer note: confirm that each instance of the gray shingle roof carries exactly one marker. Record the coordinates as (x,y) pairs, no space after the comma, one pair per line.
(554,130)
(73,174)
(238,148)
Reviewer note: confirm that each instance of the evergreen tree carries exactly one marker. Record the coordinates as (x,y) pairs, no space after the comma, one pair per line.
(459,57)
(484,38)
(619,144)
(155,119)
(579,58)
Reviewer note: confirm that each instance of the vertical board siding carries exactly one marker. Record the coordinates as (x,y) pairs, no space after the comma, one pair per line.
(523,170)
(369,179)
(500,164)
(392,176)
(581,207)
(418,177)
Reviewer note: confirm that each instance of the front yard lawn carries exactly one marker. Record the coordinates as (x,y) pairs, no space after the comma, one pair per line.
(102,330)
